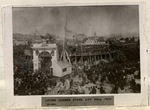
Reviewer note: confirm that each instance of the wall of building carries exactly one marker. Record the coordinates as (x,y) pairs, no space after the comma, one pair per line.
(57,71)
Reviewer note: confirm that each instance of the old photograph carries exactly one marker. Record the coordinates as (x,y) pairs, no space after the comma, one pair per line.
(74,50)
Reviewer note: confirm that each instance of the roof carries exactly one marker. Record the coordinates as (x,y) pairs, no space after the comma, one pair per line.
(44,46)
(63,64)
(95,38)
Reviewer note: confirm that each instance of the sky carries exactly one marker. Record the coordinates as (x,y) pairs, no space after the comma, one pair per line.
(102,20)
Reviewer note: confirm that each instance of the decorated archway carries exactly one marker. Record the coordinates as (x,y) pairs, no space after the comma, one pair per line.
(44,56)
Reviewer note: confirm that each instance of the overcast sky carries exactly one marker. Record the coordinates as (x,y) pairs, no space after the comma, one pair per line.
(102,20)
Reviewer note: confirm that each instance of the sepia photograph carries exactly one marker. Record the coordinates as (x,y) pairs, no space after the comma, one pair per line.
(72,50)
(75,55)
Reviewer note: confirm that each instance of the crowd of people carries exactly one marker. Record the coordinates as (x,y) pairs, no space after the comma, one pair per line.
(102,78)
(33,83)
(122,75)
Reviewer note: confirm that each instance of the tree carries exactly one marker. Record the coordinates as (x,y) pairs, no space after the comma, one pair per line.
(52,38)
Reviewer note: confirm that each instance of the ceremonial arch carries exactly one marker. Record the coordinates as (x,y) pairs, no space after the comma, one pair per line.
(44,55)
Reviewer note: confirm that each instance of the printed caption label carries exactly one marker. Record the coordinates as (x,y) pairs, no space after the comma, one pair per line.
(77,101)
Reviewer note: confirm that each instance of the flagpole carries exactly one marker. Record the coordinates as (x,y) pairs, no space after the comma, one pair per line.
(64,41)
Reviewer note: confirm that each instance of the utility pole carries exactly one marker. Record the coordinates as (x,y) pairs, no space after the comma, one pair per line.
(81,54)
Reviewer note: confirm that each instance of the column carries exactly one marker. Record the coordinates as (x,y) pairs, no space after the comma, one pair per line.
(35,61)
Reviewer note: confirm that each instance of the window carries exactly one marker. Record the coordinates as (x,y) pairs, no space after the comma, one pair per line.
(64,69)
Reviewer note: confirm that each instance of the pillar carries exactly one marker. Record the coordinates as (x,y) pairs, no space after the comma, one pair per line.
(35,61)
